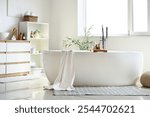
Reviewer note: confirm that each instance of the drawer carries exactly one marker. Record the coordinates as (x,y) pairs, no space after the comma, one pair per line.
(2,58)
(2,47)
(2,69)
(16,47)
(18,57)
(17,68)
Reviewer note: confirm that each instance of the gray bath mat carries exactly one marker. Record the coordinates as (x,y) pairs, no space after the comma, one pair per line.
(105,91)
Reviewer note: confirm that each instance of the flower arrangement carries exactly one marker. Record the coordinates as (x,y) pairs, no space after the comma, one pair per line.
(83,43)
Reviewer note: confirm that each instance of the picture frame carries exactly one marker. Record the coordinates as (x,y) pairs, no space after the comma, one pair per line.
(17,8)
(12,8)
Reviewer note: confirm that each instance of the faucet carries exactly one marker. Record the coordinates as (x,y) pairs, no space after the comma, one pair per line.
(103,38)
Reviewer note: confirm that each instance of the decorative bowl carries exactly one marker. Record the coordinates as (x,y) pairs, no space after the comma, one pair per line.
(4,35)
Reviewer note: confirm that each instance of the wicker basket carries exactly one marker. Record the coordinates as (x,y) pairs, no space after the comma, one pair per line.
(30,18)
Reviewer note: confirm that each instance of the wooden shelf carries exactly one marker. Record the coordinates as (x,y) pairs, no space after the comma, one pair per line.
(8,63)
(38,42)
(20,52)
(34,39)
(20,41)
(36,54)
(14,74)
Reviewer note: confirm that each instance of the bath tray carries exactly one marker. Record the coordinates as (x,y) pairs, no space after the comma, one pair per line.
(98,50)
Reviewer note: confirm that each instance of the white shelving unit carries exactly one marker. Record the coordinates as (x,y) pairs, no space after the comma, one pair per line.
(38,35)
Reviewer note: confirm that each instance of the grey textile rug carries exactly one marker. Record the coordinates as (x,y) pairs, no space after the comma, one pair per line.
(105,91)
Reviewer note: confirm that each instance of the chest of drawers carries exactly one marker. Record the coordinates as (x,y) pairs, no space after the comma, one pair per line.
(14,58)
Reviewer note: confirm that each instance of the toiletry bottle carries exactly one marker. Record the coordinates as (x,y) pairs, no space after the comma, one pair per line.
(23,37)
(20,36)
(31,34)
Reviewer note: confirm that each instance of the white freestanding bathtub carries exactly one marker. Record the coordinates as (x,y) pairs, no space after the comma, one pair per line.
(114,68)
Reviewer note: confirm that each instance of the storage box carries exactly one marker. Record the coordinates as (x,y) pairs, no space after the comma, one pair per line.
(30,18)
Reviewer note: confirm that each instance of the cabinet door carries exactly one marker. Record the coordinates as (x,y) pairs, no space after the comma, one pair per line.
(2,69)
(2,47)
(16,47)
(18,68)
(2,58)
(18,57)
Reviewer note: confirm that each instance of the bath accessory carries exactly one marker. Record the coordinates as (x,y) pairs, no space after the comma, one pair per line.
(97,48)
(4,35)
(105,91)
(106,32)
(145,79)
(30,18)
(114,68)
(14,34)
(103,37)
(20,36)
(36,34)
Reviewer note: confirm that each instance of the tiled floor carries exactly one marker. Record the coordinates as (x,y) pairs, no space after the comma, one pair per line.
(40,94)
(33,90)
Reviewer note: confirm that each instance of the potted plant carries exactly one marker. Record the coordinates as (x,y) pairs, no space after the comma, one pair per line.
(83,43)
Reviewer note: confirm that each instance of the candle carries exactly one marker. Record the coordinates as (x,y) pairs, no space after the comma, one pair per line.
(103,39)
(106,32)
(102,32)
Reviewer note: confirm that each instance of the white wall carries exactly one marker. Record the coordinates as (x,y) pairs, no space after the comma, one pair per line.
(64,23)
(140,43)
(42,9)
(62,16)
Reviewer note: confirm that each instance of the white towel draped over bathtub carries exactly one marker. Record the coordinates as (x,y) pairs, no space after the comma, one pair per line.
(66,74)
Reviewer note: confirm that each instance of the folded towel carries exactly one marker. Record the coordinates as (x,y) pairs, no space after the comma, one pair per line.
(66,75)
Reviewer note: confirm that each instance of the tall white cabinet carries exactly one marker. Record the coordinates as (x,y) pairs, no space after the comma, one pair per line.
(38,35)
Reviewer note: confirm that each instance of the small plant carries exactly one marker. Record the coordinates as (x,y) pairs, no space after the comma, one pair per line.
(83,43)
